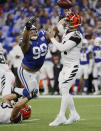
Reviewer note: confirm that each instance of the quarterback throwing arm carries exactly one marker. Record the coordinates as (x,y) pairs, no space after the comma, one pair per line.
(70,52)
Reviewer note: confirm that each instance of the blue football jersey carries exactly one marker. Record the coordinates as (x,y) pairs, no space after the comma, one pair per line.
(84,58)
(35,56)
(97,54)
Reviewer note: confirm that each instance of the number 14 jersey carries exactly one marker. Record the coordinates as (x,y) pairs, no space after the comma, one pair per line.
(35,56)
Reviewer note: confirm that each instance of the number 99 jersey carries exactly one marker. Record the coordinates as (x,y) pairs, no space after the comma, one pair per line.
(35,56)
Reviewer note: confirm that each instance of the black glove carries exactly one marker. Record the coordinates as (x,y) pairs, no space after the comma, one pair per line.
(33,94)
(28,25)
(30,22)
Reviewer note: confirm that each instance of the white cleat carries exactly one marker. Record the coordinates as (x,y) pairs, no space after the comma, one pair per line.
(96,93)
(73,118)
(59,120)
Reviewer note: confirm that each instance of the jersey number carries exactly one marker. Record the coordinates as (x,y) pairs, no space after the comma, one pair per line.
(39,51)
(2,59)
(5,105)
(83,57)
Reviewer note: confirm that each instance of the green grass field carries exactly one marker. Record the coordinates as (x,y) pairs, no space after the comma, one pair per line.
(44,110)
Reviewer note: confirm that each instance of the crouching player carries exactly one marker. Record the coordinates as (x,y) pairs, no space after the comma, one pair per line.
(14,114)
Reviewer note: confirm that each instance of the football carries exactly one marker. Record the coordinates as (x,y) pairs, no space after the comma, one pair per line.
(65,4)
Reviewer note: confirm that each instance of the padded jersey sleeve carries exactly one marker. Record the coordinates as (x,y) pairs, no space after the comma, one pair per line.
(73,41)
(66,45)
(75,38)
(61,29)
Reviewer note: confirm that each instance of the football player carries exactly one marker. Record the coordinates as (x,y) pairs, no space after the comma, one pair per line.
(47,69)
(97,64)
(6,76)
(14,59)
(70,52)
(14,114)
(34,46)
(83,70)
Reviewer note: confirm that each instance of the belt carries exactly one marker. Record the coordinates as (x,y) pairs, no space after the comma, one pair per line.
(29,69)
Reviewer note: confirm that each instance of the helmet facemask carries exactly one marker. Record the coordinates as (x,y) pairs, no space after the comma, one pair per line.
(33,33)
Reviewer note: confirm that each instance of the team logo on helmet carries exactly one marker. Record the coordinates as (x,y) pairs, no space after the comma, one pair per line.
(26,112)
(74,20)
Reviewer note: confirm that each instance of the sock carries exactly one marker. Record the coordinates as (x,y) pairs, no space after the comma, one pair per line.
(86,83)
(67,102)
(77,82)
(18,90)
(45,85)
(96,84)
(71,105)
(85,87)
(76,86)
(52,82)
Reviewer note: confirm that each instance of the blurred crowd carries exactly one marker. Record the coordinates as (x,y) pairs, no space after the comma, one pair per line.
(14,14)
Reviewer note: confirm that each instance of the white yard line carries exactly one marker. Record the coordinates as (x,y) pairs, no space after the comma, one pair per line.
(32,120)
(22,124)
(76,96)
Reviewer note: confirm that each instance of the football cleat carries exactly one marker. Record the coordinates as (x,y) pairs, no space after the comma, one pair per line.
(73,118)
(59,120)
(97,93)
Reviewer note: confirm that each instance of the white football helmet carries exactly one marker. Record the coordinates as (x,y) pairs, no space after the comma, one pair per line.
(84,43)
(97,41)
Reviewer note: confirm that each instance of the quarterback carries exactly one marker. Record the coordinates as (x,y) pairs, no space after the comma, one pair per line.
(70,52)
(85,56)
(97,64)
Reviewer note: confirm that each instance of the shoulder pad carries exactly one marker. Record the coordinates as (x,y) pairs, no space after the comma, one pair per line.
(76,37)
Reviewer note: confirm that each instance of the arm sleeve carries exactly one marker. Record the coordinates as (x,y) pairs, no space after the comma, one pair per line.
(61,29)
(67,45)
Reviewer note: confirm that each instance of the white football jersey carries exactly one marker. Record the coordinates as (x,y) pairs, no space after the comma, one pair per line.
(3,63)
(72,54)
(5,112)
(15,56)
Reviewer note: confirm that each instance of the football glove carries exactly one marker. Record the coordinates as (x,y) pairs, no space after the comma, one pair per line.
(30,22)
(33,94)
